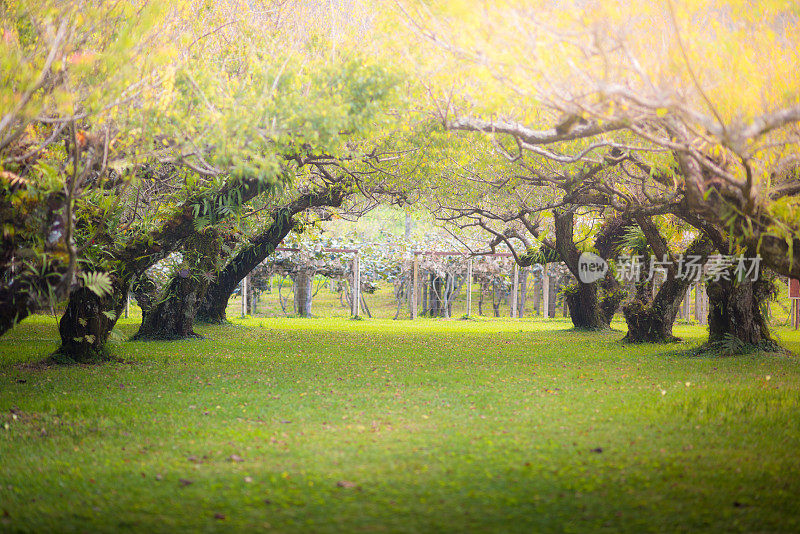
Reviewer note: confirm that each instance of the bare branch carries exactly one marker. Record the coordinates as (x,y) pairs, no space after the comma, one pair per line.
(534,137)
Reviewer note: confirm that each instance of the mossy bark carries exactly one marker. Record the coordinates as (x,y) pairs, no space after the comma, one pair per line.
(584,307)
(650,320)
(171,314)
(735,319)
(588,310)
(215,301)
(87,323)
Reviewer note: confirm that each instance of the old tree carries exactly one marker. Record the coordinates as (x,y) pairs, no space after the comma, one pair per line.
(677,109)
(135,132)
(132,133)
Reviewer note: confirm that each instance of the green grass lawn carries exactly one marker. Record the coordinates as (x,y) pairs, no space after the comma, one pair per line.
(333,425)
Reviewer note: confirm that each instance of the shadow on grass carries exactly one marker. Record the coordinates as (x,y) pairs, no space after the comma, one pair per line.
(715,350)
(59,361)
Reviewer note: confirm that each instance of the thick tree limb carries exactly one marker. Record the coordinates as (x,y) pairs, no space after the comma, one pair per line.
(216,298)
(530,136)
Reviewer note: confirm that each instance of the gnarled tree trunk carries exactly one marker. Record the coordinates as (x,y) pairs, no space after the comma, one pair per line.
(736,323)
(303,292)
(88,321)
(735,320)
(171,315)
(584,308)
(581,298)
(650,320)
(588,310)
(592,306)
(215,301)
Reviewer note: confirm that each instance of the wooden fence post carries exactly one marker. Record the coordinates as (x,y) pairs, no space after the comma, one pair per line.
(515,291)
(244,296)
(546,291)
(469,287)
(796,307)
(415,287)
(794,295)
(356,286)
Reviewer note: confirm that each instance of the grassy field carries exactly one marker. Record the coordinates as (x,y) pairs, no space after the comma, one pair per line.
(333,425)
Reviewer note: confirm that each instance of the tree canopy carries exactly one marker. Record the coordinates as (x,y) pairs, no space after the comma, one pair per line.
(131,129)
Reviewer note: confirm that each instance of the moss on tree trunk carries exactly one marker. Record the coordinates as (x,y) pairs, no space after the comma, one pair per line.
(215,300)
(650,320)
(171,314)
(87,323)
(736,323)
(588,310)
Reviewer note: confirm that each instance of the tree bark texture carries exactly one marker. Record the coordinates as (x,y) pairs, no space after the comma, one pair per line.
(303,292)
(588,310)
(84,328)
(87,323)
(171,315)
(212,308)
(650,320)
(735,319)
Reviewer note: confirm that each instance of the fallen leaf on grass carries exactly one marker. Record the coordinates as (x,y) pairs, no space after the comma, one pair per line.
(347,484)
(235,458)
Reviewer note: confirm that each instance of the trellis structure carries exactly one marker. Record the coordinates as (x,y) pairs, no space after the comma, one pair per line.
(550,273)
(356,304)
(514,288)
(697,303)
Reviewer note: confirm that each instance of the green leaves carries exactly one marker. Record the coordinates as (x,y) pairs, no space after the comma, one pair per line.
(98,283)
(633,241)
